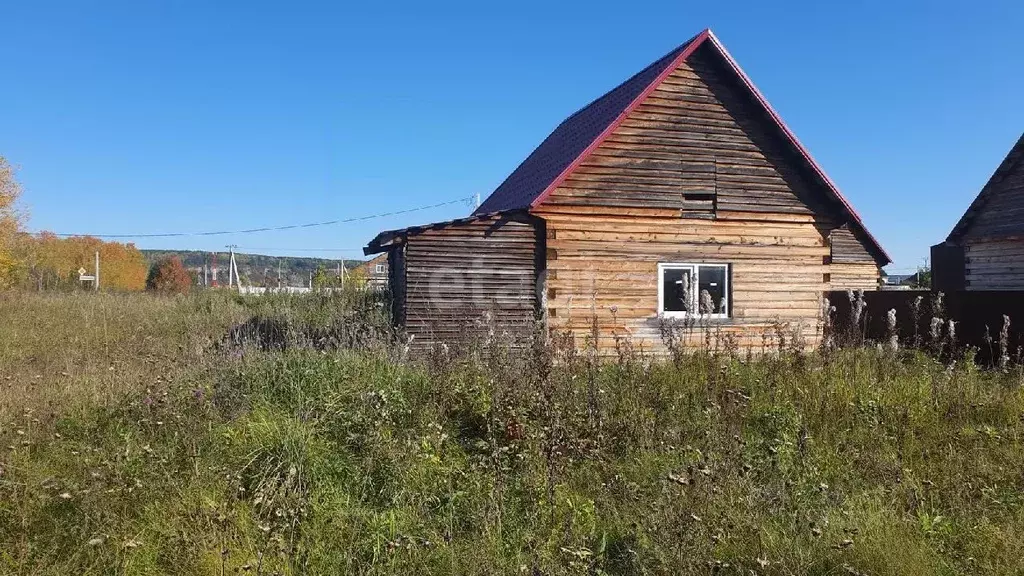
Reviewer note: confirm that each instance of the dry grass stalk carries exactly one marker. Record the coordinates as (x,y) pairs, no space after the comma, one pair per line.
(893,339)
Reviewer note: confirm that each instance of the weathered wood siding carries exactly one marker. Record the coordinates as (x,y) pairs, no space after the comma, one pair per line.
(606,266)
(690,147)
(456,274)
(994,240)
(847,247)
(852,265)
(853,276)
(994,264)
(1002,213)
(695,174)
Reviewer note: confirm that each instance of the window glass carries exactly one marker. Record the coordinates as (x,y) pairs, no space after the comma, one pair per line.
(694,289)
(711,290)
(676,286)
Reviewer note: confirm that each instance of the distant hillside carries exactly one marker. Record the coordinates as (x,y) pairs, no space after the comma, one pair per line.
(255,269)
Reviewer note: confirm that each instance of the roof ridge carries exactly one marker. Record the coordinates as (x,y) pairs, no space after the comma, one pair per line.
(815,167)
(570,137)
(1014,157)
(647,68)
(572,141)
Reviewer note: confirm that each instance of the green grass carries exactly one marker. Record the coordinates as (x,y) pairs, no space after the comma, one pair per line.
(308,459)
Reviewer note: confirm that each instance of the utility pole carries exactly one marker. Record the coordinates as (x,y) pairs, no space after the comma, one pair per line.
(96,281)
(233,268)
(279,273)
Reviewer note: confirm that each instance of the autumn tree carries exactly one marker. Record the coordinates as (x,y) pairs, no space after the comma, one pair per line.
(356,278)
(322,279)
(51,262)
(122,266)
(10,223)
(46,260)
(168,276)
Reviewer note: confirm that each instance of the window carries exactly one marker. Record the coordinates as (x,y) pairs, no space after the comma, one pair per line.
(380,269)
(693,289)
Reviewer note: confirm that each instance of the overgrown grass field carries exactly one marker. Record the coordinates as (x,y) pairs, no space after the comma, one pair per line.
(210,434)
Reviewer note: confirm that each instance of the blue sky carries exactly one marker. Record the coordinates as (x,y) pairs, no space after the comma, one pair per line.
(195,115)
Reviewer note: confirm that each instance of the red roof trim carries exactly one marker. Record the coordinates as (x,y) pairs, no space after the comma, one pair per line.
(696,43)
(796,142)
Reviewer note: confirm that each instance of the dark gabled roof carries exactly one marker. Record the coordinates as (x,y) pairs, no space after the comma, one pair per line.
(576,137)
(572,138)
(1015,157)
(385,239)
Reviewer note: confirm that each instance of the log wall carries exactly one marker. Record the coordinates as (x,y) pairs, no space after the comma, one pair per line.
(1002,214)
(606,266)
(993,243)
(852,265)
(456,274)
(694,175)
(994,264)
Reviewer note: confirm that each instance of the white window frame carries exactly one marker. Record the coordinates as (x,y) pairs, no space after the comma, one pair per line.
(380,269)
(694,268)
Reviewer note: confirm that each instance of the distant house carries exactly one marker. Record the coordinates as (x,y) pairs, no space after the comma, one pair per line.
(680,194)
(904,281)
(985,250)
(375,271)
(898,279)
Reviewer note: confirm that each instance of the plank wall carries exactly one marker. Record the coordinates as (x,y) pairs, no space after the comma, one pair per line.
(852,265)
(455,274)
(695,174)
(995,264)
(1002,213)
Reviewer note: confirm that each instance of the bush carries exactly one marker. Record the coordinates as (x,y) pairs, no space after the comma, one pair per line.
(168,276)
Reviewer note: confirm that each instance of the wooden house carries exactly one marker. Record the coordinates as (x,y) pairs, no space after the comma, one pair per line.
(680,194)
(985,250)
(374,271)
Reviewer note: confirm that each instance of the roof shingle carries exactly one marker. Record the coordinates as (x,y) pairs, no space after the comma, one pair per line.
(545,168)
(570,139)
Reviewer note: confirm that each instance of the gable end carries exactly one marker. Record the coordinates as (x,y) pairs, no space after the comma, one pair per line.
(535,179)
(998,210)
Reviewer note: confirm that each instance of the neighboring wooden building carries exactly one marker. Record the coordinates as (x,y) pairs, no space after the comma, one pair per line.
(374,271)
(678,194)
(985,250)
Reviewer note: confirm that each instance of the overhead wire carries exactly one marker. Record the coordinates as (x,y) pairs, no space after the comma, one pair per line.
(282,249)
(271,228)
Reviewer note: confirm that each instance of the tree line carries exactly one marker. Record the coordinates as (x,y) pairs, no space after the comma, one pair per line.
(47,261)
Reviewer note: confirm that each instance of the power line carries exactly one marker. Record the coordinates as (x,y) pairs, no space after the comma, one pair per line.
(285,249)
(274,228)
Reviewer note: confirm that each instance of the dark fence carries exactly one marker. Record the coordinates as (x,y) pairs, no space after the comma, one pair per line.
(975,314)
